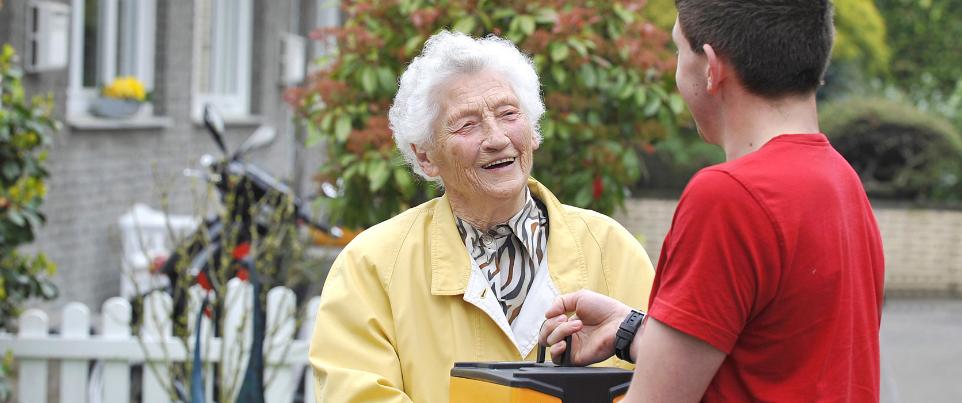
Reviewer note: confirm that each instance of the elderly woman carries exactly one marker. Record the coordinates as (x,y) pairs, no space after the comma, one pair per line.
(467,276)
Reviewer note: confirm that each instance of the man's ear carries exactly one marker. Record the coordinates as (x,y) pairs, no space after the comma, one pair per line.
(716,70)
(426,161)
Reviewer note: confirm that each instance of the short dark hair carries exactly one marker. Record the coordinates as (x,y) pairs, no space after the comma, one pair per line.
(777,47)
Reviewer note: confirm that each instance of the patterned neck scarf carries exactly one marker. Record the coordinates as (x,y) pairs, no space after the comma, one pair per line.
(510,254)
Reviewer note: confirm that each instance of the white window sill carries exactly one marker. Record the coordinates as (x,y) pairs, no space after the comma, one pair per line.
(88,122)
(237,121)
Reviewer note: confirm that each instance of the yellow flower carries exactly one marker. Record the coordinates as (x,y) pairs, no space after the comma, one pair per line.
(128,87)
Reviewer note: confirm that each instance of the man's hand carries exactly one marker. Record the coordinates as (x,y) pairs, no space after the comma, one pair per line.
(592,327)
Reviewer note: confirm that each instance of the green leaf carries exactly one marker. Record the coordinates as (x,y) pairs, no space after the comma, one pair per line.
(11,171)
(559,74)
(465,24)
(627,90)
(486,23)
(623,13)
(16,218)
(48,291)
(313,136)
(632,165)
(378,173)
(35,222)
(588,75)
(660,91)
(564,131)
(342,128)
(558,51)
(326,122)
(578,46)
(503,12)
(548,128)
(546,16)
(667,120)
(413,44)
(368,80)
(676,103)
(539,61)
(654,103)
(526,23)
(641,96)
(584,196)
(350,172)
(387,78)
(402,178)
(347,159)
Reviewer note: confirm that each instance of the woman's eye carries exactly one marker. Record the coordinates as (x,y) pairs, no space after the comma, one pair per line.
(465,127)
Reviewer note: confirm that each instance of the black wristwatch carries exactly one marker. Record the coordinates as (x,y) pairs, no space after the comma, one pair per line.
(626,333)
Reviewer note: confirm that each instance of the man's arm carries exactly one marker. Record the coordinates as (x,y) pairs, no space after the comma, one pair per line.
(670,366)
(352,350)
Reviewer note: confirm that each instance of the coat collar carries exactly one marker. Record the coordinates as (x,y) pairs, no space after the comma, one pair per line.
(451,265)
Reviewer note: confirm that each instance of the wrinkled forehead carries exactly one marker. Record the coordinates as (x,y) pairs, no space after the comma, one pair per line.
(473,92)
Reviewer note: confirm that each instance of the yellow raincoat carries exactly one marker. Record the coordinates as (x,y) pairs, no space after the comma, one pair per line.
(401,304)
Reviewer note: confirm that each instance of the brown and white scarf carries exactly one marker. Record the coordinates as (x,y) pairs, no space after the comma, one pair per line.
(510,254)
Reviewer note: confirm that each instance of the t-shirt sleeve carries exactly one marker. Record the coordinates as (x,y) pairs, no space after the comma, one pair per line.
(719,264)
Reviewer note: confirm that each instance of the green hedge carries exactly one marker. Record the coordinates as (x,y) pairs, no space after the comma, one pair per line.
(898,151)
(26,129)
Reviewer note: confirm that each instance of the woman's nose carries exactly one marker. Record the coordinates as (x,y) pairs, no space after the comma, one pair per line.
(496,137)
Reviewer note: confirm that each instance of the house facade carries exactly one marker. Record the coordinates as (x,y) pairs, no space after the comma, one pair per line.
(238,55)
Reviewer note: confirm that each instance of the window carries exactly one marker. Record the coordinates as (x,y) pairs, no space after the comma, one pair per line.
(327,15)
(222,48)
(109,39)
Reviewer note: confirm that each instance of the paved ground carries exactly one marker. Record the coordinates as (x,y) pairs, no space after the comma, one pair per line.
(922,351)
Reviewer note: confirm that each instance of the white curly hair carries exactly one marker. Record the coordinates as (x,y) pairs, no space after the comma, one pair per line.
(446,54)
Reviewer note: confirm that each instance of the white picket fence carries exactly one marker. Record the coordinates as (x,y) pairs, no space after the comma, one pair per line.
(116,349)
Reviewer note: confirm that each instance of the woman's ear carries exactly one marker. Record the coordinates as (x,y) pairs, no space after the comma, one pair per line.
(716,71)
(426,161)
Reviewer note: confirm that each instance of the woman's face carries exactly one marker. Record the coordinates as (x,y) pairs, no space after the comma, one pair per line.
(483,143)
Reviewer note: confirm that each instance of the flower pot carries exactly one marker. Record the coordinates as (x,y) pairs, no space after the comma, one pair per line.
(113,108)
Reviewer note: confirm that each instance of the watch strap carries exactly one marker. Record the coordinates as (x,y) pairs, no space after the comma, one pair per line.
(626,334)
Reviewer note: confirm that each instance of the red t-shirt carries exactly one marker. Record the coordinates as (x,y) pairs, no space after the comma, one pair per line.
(775,259)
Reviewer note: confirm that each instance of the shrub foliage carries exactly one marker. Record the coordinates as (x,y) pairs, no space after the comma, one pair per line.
(897,150)
(605,73)
(26,126)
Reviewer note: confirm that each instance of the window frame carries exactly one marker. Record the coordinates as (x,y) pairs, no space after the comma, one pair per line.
(235,104)
(327,14)
(139,56)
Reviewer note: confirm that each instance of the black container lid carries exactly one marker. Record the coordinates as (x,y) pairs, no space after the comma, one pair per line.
(570,384)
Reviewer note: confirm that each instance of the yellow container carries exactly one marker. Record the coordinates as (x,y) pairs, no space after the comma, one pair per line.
(528,382)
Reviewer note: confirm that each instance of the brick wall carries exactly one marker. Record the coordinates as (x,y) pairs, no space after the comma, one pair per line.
(97,175)
(923,247)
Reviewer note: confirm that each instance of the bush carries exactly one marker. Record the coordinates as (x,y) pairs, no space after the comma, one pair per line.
(860,37)
(860,32)
(25,128)
(605,73)
(671,163)
(925,36)
(897,150)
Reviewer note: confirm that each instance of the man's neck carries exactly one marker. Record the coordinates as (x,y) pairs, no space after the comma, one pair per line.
(484,213)
(752,121)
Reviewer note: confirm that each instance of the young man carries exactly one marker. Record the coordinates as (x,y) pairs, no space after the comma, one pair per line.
(769,285)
